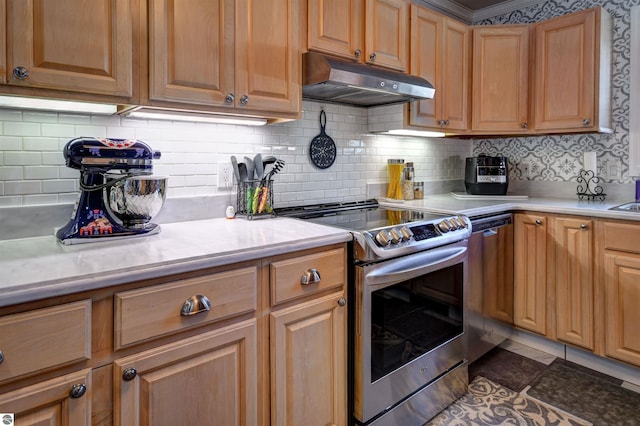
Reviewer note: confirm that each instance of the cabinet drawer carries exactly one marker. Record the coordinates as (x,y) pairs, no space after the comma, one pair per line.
(45,338)
(622,236)
(155,311)
(287,275)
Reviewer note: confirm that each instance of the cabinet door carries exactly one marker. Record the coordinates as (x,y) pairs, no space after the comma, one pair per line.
(426,51)
(210,376)
(530,272)
(440,54)
(191,51)
(335,27)
(455,71)
(75,45)
(268,53)
(574,278)
(622,293)
(564,72)
(387,33)
(497,259)
(500,79)
(308,363)
(51,402)
(3,42)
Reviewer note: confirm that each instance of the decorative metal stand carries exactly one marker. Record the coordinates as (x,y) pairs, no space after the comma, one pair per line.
(588,187)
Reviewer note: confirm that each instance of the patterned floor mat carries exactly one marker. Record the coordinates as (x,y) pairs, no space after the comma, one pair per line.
(487,403)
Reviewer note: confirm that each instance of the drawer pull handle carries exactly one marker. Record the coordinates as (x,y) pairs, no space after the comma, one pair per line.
(129,374)
(312,276)
(195,305)
(77,390)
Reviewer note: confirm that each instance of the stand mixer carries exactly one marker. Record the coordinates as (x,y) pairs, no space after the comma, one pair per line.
(118,194)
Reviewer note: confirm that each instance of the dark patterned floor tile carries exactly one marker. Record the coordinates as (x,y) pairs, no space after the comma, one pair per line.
(506,368)
(586,395)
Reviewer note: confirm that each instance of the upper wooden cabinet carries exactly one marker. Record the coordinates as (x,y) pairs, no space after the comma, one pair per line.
(572,72)
(440,54)
(371,31)
(500,79)
(387,33)
(69,45)
(224,54)
(335,27)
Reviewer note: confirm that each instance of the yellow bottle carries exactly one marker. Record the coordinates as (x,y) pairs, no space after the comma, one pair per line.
(395,168)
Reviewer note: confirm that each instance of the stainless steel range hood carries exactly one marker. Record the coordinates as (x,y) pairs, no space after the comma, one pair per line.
(338,81)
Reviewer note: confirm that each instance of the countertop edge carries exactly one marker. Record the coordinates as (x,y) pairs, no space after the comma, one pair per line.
(42,290)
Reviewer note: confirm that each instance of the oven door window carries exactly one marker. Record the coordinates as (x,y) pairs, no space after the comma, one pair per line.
(413,317)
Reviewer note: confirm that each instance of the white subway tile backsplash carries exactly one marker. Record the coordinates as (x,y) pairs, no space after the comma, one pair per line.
(15,128)
(56,186)
(22,187)
(40,172)
(40,199)
(20,158)
(39,117)
(191,153)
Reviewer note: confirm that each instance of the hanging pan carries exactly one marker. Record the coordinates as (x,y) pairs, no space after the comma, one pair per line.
(322,150)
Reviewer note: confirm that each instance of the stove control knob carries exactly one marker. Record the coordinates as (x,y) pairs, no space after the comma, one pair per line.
(396,236)
(406,233)
(462,221)
(453,225)
(444,227)
(383,238)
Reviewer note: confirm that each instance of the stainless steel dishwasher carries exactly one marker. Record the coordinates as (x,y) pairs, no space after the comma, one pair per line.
(490,283)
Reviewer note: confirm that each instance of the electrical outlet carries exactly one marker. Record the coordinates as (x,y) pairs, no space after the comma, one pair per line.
(526,169)
(225,175)
(613,171)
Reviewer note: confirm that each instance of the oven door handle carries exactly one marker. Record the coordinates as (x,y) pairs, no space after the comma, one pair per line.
(408,267)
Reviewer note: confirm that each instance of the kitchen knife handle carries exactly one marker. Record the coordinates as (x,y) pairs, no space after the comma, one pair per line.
(195,304)
(312,276)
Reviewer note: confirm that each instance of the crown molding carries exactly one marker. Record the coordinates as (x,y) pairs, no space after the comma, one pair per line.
(502,8)
(450,8)
(455,10)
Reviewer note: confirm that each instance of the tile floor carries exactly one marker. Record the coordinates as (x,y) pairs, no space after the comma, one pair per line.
(593,396)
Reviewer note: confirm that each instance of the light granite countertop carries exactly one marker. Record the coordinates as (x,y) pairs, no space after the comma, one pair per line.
(41,267)
(448,204)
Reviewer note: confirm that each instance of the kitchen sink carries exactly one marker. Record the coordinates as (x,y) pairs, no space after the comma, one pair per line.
(628,207)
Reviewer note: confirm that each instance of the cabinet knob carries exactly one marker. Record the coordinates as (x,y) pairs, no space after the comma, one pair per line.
(357,53)
(524,125)
(583,226)
(129,374)
(312,276)
(442,123)
(586,122)
(77,390)
(20,73)
(538,222)
(1,357)
(229,98)
(342,301)
(195,304)
(244,100)
(372,57)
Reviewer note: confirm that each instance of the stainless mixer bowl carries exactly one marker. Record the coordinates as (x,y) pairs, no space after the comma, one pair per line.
(136,200)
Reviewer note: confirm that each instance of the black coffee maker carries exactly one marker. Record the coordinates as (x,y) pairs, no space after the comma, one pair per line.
(486,175)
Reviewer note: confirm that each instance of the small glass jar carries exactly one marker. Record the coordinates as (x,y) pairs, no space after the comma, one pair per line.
(418,190)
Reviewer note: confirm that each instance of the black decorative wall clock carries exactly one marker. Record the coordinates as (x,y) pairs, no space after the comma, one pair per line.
(322,149)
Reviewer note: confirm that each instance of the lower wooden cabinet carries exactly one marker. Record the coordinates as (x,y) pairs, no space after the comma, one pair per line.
(573,280)
(309,363)
(530,272)
(621,241)
(210,378)
(61,401)
(268,348)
